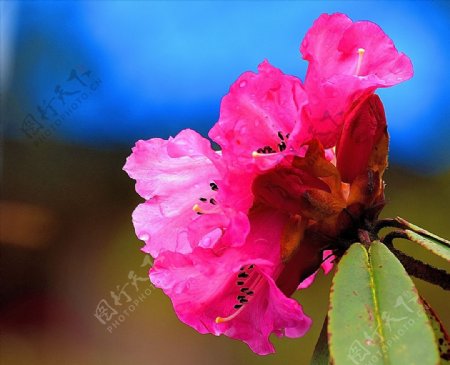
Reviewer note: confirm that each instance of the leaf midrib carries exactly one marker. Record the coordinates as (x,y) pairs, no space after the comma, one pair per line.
(377,315)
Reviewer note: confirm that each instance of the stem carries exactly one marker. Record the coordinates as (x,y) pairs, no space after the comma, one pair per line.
(364,237)
(387,240)
(388,222)
(416,267)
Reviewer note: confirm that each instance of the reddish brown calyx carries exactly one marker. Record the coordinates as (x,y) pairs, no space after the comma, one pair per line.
(363,141)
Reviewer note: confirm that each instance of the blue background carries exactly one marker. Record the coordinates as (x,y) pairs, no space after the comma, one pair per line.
(165,66)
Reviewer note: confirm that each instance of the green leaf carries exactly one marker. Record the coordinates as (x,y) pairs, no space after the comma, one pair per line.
(438,245)
(321,355)
(375,314)
(422,231)
(430,243)
(350,314)
(440,333)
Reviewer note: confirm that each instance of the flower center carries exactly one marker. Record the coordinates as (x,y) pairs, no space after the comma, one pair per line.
(281,146)
(248,282)
(361,52)
(287,188)
(207,206)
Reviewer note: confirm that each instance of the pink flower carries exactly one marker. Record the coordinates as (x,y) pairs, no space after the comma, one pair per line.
(260,115)
(177,178)
(347,62)
(201,252)
(235,232)
(234,292)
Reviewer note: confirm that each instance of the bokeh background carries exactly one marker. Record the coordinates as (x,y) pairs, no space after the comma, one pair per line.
(82,81)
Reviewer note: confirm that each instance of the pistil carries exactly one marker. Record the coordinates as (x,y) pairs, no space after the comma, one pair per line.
(361,52)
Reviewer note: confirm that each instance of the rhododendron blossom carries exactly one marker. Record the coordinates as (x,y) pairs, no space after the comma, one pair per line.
(236,232)
(348,61)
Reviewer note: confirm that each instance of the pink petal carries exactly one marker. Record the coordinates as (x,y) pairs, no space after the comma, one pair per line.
(308,281)
(338,75)
(258,107)
(327,266)
(160,168)
(174,175)
(162,230)
(331,46)
(204,285)
(321,40)
(231,228)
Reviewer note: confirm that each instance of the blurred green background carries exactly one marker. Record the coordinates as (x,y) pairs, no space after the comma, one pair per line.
(66,237)
(68,242)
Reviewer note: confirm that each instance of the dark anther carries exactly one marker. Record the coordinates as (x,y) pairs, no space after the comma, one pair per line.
(242,268)
(239,297)
(212,201)
(213,186)
(237,306)
(203,199)
(266,149)
(280,136)
(243,275)
(251,266)
(287,135)
(240,283)
(243,290)
(249,292)
(243,301)
(199,213)
(282,146)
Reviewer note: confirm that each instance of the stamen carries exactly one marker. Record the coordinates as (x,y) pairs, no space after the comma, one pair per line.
(269,150)
(229,318)
(213,186)
(206,210)
(361,52)
(251,279)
